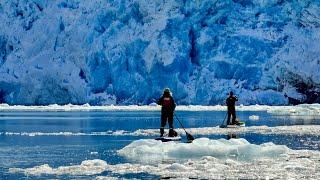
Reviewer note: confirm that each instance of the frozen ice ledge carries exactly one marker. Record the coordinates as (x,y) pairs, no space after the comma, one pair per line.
(286,130)
(298,110)
(204,158)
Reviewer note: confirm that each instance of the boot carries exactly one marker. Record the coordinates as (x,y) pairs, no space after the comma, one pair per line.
(161,132)
(236,122)
(172,133)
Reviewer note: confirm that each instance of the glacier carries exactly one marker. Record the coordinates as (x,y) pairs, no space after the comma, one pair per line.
(124,52)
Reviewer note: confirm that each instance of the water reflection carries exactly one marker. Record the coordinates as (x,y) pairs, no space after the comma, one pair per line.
(232,136)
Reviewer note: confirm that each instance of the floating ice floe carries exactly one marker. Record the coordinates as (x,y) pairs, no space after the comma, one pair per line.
(88,167)
(288,130)
(151,107)
(150,150)
(205,158)
(299,110)
(254,117)
(94,153)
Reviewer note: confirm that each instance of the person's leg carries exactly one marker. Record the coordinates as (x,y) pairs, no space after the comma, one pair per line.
(233,117)
(163,124)
(170,121)
(228,118)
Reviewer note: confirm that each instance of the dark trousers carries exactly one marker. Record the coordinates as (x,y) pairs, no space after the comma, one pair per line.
(164,117)
(231,112)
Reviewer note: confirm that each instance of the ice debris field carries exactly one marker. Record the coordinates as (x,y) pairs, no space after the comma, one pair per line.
(205,157)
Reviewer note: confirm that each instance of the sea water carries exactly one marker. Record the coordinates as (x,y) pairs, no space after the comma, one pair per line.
(96,144)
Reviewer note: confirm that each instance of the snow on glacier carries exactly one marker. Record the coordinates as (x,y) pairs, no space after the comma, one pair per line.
(126,52)
(205,158)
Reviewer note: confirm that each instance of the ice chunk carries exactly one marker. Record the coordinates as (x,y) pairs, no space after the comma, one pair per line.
(152,150)
(254,117)
(153,104)
(94,153)
(88,167)
(177,167)
(306,110)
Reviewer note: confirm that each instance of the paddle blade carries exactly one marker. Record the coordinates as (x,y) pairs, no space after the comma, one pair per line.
(189,137)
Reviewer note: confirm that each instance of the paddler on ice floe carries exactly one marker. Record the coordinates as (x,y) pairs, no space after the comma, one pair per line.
(231,101)
(167,110)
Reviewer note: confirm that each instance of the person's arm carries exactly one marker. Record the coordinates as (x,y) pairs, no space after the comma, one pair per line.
(160,101)
(173,104)
(235,98)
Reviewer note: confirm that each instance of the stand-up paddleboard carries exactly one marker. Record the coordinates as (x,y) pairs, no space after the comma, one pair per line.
(241,124)
(167,139)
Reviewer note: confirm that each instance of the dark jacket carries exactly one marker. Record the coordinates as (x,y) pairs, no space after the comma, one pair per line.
(167,103)
(231,102)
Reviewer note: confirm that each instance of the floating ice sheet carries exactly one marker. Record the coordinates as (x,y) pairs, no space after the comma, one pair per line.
(152,107)
(303,109)
(288,130)
(299,110)
(150,150)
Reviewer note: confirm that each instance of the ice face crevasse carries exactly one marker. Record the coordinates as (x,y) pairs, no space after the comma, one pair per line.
(126,52)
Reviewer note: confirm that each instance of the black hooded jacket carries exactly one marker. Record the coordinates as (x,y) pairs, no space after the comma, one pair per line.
(167,103)
(231,102)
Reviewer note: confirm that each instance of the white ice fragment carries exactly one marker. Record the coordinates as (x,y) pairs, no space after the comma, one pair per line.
(254,117)
(153,104)
(177,167)
(233,162)
(87,167)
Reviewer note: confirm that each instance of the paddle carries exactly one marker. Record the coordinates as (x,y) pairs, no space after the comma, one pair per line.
(223,125)
(189,136)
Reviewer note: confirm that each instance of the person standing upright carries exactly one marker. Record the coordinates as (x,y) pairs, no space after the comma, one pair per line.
(231,102)
(167,110)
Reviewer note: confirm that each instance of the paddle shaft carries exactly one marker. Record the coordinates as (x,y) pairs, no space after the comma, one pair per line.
(224,119)
(189,136)
(180,123)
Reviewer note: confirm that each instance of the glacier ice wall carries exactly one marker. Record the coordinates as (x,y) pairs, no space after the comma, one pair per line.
(127,51)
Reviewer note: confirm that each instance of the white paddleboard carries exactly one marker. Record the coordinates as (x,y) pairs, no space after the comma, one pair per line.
(167,139)
(242,124)
(237,126)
